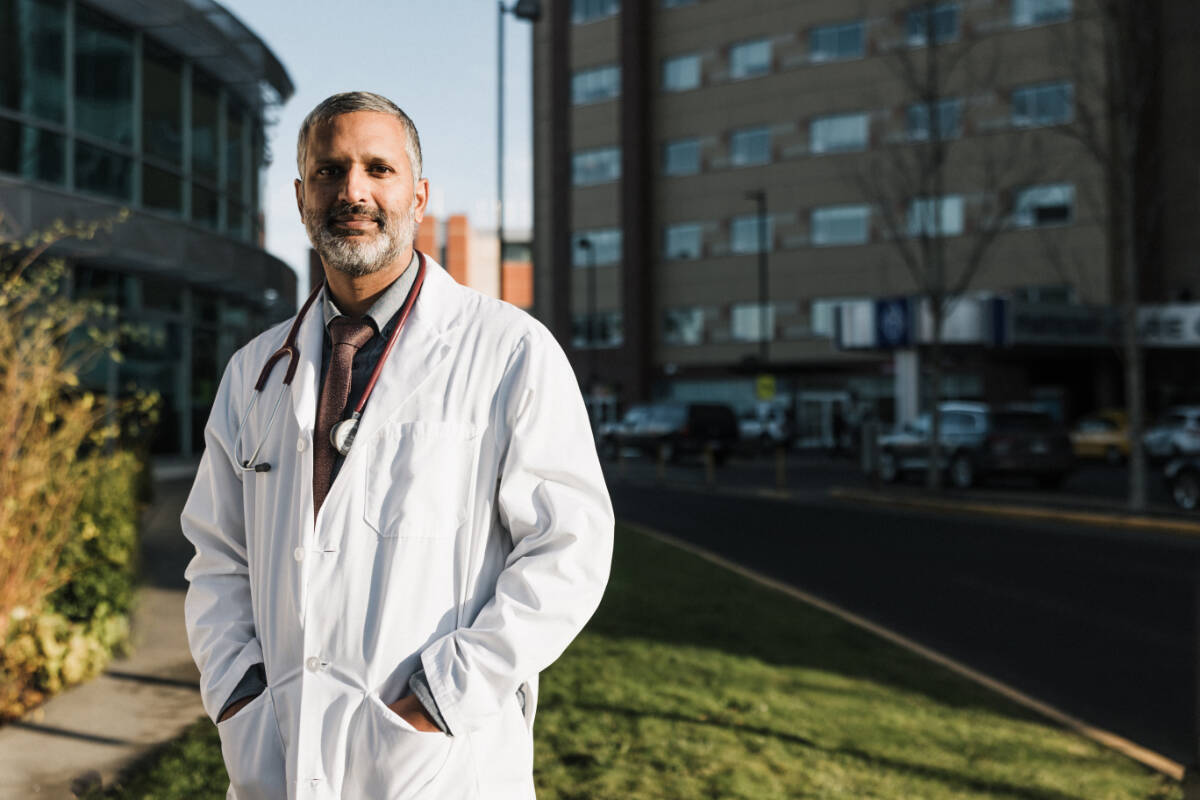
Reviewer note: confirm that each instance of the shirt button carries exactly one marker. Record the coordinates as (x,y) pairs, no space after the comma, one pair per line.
(300,445)
(298,554)
(313,663)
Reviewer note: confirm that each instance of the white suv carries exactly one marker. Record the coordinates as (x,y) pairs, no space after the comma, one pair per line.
(1176,434)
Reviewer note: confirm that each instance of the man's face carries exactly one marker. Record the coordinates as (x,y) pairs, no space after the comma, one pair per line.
(358,199)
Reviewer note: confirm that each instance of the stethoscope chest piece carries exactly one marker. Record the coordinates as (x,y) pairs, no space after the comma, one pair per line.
(341,436)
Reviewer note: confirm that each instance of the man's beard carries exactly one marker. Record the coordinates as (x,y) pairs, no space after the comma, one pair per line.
(357,253)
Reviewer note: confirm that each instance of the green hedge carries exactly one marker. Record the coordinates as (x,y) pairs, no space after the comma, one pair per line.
(86,621)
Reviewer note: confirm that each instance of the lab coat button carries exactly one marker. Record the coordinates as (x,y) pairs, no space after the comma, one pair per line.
(313,663)
(300,445)
(298,554)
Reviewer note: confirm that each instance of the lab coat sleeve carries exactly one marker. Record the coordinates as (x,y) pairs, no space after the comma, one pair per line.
(217,610)
(554,504)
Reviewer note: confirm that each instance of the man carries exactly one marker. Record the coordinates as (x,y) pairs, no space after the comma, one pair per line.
(370,625)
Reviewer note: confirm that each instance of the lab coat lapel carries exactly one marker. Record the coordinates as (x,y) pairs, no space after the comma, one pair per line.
(420,350)
(304,384)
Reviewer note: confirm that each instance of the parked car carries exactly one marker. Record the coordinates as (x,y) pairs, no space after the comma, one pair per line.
(672,430)
(765,426)
(1103,435)
(979,441)
(1183,480)
(1176,434)
(610,434)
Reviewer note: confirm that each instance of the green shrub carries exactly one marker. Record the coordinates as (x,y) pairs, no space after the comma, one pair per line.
(100,561)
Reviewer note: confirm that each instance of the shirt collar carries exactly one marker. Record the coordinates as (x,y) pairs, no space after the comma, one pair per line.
(384,308)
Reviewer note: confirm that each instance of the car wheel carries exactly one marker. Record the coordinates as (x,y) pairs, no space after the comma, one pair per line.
(1185,489)
(1112,455)
(889,468)
(962,472)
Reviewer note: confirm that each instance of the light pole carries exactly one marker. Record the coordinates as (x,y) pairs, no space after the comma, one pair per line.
(589,264)
(530,10)
(759,196)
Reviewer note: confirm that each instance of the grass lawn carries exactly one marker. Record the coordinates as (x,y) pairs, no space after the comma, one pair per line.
(692,682)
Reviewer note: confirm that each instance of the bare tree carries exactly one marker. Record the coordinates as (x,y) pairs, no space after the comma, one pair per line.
(947,73)
(1111,55)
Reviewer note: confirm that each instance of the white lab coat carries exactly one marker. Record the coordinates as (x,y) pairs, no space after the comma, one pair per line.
(469,532)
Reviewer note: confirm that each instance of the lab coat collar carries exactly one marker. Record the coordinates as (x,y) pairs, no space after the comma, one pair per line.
(420,348)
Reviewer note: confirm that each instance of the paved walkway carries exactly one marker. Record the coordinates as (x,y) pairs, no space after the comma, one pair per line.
(90,732)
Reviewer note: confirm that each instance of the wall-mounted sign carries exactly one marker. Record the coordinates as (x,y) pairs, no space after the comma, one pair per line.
(1176,325)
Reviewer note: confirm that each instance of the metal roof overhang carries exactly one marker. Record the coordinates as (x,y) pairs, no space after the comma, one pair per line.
(210,36)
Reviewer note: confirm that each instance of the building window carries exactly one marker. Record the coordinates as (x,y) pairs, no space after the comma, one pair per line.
(103,78)
(683,326)
(162,105)
(931,216)
(606,247)
(1040,12)
(940,20)
(103,172)
(1043,104)
(595,85)
(946,124)
(681,73)
(823,314)
(590,167)
(205,114)
(588,10)
(745,234)
(683,241)
(842,133)
(32,152)
(678,3)
(681,157)
(750,59)
(33,67)
(1043,206)
(836,225)
(748,320)
(837,42)
(606,330)
(750,147)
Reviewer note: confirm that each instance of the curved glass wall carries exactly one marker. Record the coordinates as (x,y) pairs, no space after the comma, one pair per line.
(92,105)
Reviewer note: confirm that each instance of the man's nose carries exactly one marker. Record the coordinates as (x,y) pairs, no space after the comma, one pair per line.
(354,189)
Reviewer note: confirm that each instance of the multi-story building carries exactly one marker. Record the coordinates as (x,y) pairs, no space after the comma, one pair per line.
(726,189)
(157,108)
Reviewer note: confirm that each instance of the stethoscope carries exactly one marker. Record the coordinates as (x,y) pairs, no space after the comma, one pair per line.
(342,434)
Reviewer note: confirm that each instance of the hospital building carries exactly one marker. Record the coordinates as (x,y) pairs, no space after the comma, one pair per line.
(159,108)
(724,190)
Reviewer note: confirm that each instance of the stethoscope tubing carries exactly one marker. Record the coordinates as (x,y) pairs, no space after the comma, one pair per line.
(291,351)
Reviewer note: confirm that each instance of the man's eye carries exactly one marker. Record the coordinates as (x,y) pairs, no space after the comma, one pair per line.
(381,168)
(326,171)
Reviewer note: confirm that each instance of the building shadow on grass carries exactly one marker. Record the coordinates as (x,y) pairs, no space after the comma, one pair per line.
(952,779)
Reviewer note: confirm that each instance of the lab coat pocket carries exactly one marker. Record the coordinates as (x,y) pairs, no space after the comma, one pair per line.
(387,757)
(419,478)
(253,751)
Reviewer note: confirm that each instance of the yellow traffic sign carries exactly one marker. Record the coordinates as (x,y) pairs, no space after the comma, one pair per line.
(764,387)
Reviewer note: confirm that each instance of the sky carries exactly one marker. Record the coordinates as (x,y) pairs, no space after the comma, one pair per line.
(436,59)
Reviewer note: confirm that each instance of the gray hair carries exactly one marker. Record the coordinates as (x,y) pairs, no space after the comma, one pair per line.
(349,102)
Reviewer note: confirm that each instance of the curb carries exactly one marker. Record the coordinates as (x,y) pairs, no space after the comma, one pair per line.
(1109,519)
(1143,755)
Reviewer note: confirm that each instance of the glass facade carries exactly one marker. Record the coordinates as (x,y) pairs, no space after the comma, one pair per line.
(124,132)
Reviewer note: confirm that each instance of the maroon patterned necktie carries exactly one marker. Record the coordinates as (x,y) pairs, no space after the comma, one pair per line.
(347,336)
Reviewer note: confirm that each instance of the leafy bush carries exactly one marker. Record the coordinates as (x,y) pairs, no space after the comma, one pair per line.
(68,499)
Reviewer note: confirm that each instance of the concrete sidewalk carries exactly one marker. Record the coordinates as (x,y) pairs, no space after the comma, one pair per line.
(90,732)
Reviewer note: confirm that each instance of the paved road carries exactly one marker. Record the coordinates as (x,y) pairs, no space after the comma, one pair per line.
(1096,622)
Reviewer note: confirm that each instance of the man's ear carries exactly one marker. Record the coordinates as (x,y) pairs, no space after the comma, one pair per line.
(421,198)
(300,197)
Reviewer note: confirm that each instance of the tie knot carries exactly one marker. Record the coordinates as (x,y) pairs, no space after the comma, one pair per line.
(356,333)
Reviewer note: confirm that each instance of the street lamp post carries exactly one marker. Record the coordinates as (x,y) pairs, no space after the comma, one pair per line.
(530,10)
(759,196)
(589,264)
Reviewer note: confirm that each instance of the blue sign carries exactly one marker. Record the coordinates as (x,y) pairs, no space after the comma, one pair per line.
(893,323)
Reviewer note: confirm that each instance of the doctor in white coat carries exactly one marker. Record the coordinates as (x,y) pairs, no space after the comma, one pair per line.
(371,625)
